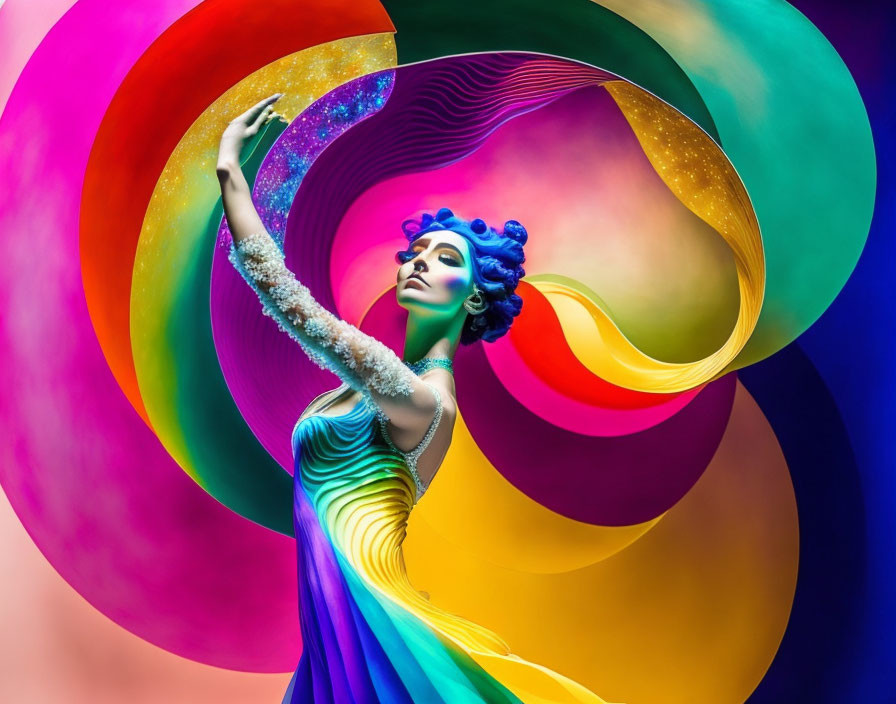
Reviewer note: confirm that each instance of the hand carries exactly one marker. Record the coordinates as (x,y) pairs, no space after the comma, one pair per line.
(243,128)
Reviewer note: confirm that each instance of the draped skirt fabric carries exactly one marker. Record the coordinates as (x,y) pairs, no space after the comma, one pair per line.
(368,635)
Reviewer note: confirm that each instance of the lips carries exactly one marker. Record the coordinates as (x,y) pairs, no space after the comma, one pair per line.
(415,277)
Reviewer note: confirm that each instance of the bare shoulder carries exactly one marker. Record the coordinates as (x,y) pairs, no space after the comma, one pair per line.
(443,381)
(409,432)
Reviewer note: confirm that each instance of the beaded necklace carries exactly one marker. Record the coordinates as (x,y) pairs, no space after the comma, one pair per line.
(427,363)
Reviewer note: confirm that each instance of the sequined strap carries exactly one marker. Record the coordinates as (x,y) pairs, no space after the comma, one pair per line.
(411,456)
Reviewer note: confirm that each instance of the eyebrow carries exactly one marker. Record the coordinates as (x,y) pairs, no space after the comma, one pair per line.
(443,244)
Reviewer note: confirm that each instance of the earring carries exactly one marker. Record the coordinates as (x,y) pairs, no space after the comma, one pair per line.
(475,303)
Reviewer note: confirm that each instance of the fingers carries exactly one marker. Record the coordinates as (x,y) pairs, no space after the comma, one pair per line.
(252,114)
(262,117)
(275,115)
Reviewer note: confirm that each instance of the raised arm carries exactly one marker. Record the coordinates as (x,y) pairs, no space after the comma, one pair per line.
(363,362)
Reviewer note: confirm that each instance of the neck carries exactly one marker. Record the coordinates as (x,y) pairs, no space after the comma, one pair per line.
(432,337)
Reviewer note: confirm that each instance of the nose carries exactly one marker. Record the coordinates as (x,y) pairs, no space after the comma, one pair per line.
(419,265)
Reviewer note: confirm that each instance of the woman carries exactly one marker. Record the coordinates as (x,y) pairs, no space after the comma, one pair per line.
(367,451)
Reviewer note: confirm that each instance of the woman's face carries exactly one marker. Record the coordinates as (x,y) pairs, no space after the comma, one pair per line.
(439,276)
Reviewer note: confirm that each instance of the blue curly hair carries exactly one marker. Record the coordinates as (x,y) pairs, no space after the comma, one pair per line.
(496,263)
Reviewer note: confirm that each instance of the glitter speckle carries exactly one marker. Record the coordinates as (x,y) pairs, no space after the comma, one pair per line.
(295,150)
(696,170)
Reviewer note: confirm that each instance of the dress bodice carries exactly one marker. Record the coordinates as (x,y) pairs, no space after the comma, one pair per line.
(339,441)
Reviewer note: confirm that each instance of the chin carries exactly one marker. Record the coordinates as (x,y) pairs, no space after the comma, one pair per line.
(409,302)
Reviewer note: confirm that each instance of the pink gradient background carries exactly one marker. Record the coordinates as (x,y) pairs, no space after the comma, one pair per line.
(56,648)
(659,268)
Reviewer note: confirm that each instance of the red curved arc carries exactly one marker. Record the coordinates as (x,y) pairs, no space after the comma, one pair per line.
(538,338)
(146,120)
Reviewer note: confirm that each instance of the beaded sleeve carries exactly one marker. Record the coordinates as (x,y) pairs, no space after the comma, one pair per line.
(363,362)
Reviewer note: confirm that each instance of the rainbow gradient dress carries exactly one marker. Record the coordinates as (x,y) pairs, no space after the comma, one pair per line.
(368,636)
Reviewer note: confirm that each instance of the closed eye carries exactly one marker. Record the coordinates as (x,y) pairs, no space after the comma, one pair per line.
(456,258)
(446,257)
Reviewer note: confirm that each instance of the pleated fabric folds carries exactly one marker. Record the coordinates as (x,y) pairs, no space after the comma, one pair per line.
(368,635)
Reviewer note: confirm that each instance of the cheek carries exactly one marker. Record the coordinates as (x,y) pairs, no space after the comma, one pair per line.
(457,283)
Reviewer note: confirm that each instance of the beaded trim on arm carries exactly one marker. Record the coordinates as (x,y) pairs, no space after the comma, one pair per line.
(362,362)
(411,456)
